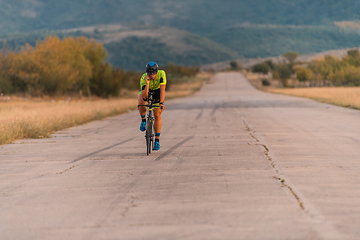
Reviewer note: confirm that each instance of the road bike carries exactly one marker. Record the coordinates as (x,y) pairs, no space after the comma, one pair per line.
(149,131)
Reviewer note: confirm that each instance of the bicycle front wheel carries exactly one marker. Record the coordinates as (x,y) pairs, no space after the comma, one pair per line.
(148,137)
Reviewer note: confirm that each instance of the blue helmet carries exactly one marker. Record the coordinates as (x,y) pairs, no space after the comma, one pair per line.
(152,67)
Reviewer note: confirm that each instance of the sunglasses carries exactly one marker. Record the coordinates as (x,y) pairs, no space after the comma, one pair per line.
(152,73)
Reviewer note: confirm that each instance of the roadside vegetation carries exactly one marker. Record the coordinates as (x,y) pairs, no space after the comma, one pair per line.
(341,96)
(338,72)
(30,119)
(57,67)
(39,117)
(325,71)
(61,83)
(69,66)
(328,79)
(268,70)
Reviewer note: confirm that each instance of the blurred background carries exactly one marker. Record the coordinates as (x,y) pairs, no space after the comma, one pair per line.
(57,47)
(90,50)
(187,32)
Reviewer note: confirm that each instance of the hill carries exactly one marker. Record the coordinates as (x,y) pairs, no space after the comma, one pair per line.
(249,62)
(198,16)
(189,32)
(273,40)
(130,46)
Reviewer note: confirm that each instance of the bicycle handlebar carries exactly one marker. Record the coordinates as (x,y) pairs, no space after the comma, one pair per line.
(145,105)
(148,105)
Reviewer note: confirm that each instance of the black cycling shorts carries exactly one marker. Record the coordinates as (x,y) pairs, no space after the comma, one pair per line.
(156,97)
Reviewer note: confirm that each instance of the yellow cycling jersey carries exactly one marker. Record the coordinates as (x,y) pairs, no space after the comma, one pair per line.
(154,84)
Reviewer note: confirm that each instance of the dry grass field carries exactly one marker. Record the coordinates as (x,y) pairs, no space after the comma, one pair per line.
(38,118)
(340,96)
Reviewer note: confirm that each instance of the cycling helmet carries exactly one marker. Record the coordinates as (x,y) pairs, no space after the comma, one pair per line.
(152,67)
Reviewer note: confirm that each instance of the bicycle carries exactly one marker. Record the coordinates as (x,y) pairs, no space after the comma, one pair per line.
(149,135)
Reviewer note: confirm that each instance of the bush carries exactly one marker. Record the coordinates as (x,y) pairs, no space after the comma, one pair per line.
(291,56)
(354,53)
(282,71)
(131,79)
(56,66)
(105,81)
(176,73)
(235,66)
(261,68)
(337,77)
(5,86)
(326,65)
(349,75)
(180,71)
(270,64)
(305,74)
(265,82)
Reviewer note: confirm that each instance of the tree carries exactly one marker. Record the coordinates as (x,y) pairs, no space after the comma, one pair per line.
(261,68)
(56,66)
(282,71)
(354,53)
(235,66)
(304,74)
(291,56)
(270,64)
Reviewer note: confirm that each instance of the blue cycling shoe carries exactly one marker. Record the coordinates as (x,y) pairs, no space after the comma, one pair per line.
(156,146)
(142,126)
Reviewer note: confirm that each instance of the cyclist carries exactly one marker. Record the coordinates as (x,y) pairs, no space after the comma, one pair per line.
(154,80)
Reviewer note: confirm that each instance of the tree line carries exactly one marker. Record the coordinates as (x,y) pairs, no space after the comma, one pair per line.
(60,66)
(339,71)
(336,71)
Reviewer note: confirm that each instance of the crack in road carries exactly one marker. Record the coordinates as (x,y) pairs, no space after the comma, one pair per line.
(273,165)
(283,184)
(213,118)
(325,229)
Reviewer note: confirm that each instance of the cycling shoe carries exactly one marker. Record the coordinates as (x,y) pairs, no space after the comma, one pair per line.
(142,126)
(156,146)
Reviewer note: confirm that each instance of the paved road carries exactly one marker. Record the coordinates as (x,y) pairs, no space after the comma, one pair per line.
(235,163)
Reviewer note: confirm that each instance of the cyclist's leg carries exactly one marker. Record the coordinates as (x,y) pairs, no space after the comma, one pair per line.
(158,122)
(157,126)
(142,111)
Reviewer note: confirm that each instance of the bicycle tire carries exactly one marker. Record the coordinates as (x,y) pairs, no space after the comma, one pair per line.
(147,143)
(151,135)
(148,136)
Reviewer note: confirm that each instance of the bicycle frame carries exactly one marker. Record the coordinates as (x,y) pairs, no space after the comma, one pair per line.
(149,135)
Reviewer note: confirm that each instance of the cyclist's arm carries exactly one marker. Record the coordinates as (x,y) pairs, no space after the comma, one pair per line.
(162,93)
(162,86)
(145,91)
(145,88)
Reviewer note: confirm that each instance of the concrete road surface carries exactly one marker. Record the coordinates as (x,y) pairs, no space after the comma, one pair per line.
(234,163)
